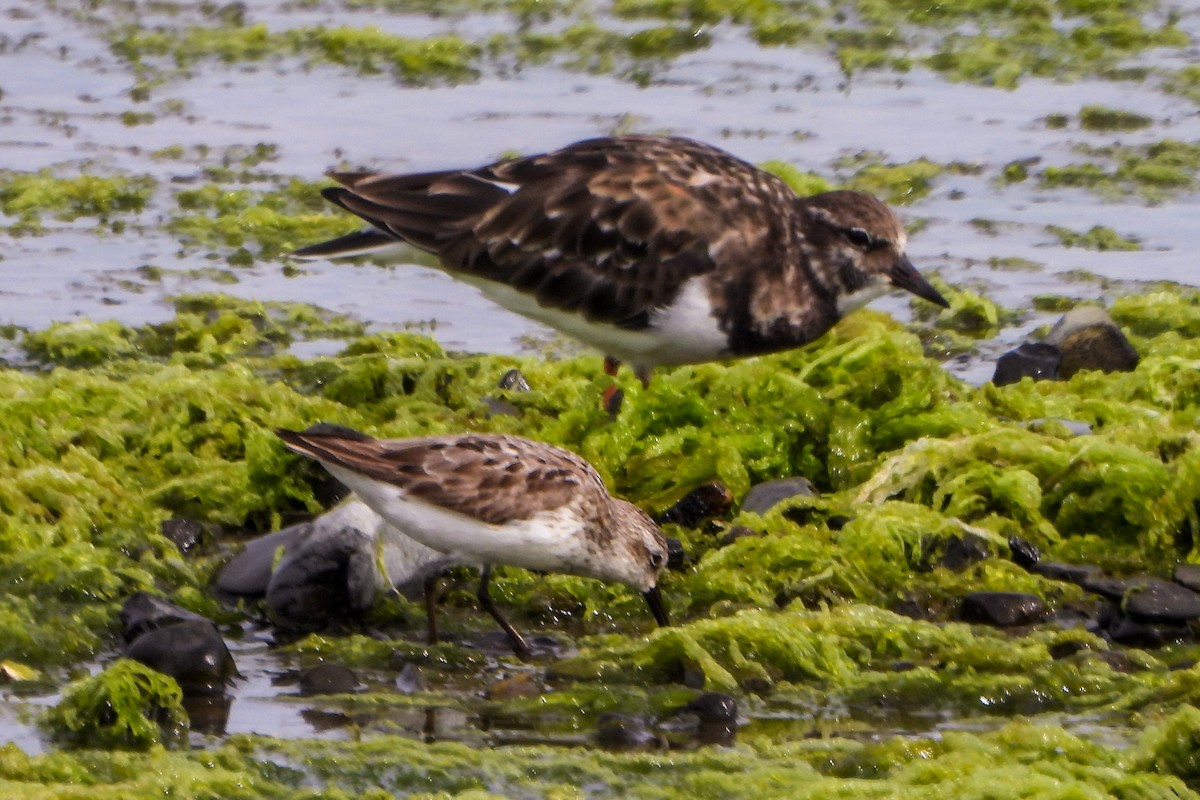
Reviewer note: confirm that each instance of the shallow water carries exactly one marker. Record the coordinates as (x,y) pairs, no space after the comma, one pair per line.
(64,93)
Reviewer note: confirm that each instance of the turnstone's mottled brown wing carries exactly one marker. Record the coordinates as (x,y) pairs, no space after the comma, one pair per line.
(610,227)
(493,478)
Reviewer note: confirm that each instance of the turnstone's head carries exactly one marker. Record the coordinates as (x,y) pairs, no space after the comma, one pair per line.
(859,249)
(643,556)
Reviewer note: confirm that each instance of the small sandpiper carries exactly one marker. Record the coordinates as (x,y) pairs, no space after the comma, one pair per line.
(488,499)
(655,250)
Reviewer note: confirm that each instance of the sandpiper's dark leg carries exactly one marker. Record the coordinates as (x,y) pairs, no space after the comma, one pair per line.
(611,365)
(433,591)
(518,644)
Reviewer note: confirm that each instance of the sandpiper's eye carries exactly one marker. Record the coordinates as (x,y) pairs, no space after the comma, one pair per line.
(658,559)
(859,238)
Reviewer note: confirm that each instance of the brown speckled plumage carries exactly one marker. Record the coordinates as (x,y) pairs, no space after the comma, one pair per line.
(512,501)
(612,230)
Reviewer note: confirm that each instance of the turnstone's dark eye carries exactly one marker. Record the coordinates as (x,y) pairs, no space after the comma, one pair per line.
(860,238)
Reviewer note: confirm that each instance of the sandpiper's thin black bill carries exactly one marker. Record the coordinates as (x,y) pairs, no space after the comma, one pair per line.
(905,276)
(654,600)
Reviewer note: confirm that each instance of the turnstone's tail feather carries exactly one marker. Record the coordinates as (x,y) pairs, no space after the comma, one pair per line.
(657,250)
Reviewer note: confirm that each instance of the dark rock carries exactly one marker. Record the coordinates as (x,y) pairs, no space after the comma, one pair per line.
(676,555)
(1161,601)
(1126,630)
(1089,339)
(499,407)
(513,381)
(955,553)
(1187,575)
(1060,650)
(328,679)
(735,533)
(1036,360)
(713,707)
(144,612)
(622,732)
(1071,573)
(765,496)
(186,534)
(1002,609)
(249,572)
(1111,588)
(1024,554)
(836,522)
(411,680)
(713,499)
(330,568)
(192,652)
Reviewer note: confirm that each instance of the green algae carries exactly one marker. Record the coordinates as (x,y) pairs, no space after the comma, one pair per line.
(30,196)
(127,706)
(1098,237)
(1102,118)
(1155,171)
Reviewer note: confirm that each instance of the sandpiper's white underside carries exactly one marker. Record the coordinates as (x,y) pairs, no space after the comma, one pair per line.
(547,541)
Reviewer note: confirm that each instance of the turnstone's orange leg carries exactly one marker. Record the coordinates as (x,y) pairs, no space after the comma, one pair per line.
(611,365)
(518,643)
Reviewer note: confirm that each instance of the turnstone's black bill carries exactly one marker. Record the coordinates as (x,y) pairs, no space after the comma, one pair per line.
(485,499)
(655,250)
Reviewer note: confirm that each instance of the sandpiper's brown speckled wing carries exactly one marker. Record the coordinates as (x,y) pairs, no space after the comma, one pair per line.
(608,227)
(491,477)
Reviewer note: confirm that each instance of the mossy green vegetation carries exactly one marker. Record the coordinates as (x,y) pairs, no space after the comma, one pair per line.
(1098,237)
(29,196)
(127,706)
(1102,118)
(1155,171)
(120,428)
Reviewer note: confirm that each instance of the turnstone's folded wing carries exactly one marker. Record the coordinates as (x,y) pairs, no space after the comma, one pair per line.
(610,228)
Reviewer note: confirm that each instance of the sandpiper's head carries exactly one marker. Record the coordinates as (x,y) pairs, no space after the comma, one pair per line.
(862,249)
(643,555)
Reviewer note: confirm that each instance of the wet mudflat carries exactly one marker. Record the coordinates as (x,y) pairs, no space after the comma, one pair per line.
(154,152)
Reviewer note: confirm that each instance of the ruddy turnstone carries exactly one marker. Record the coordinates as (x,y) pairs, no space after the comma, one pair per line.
(655,250)
(486,499)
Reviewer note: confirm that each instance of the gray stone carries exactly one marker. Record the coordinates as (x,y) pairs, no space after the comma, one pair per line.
(765,496)
(1071,573)
(1187,575)
(328,679)
(144,612)
(1161,601)
(249,572)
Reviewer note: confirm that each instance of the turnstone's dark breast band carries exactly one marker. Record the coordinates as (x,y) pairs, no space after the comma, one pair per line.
(656,250)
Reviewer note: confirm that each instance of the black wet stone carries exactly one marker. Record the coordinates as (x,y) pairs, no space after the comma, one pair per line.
(713,499)
(1187,575)
(327,574)
(328,679)
(1002,609)
(186,534)
(676,555)
(623,732)
(735,533)
(1023,553)
(192,652)
(1036,360)
(1111,588)
(1125,630)
(764,496)
(713,707)
(513,381)
(249,572)
(144,612)
(954,553)
(1071,573)
(1060,650)
(1162,601)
